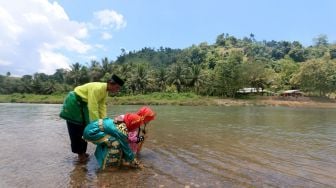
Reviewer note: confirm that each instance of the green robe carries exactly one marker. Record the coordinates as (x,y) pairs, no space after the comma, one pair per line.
(75,110)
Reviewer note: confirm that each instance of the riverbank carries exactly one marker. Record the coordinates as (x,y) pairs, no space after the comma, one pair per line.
(301,102)
(185,99)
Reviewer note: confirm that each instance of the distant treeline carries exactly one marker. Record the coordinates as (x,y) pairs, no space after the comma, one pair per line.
(218,69)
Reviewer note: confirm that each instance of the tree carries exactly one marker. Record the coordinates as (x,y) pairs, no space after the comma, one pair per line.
(96,72)
(106,66)
(161,79)
(256,75)
(228,78)
(197,55)
(37,83)
(196,77)
(332,52)
(177,76)
(297,54)
(321,40)
(125,70)
(27,81)
(288,69)
(220,40)
(140,78)
(59,75)
(74,74)
(316,76)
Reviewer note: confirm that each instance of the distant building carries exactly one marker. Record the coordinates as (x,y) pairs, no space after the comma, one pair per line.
(252,90)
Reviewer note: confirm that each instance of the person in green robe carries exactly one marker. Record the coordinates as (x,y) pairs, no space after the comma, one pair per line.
(86,104)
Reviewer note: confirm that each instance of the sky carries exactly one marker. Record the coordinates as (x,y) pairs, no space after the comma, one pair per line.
(45,35)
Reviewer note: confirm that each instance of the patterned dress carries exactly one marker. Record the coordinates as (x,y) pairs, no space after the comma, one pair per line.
(111,140)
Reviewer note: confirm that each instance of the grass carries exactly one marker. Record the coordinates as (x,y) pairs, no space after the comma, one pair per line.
(32,98)
(141,99)
(185,99)
(162,98)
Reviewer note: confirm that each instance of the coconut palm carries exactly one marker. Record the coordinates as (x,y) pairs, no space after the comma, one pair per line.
(96,71)
(197,77)
(75,74)
(177,76)
(140,78)
(161,79)
(106,66)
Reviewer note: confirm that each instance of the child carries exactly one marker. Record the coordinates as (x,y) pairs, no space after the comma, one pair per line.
(148,115)
(134,137)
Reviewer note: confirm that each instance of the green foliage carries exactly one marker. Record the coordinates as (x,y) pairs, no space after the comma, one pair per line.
(288,69)
(228,78)
(332,52)
(157,98)
(316,76)
(218,69)
(177,76)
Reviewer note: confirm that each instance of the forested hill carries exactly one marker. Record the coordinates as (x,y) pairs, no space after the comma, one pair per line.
(218,69)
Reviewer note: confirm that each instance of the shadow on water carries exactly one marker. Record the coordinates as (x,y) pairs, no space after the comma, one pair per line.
(187,147)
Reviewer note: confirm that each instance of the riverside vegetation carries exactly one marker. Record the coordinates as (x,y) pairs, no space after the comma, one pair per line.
(188,99)
(217,70)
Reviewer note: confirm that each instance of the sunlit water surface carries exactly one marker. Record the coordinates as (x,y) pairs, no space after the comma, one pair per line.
(187,147)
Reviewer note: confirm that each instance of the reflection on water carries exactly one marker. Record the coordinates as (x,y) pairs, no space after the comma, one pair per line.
(187,146)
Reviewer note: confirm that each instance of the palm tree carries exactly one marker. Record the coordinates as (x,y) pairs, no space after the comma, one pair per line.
(27,81)
(140,78)
(84,75)
(96,71)
(75,73)
(161,79)
(59,75)
(125,70)
(106,66)
(196,77)
(49,87)
(177,76)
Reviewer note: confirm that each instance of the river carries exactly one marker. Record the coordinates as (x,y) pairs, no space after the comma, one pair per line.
(199,146)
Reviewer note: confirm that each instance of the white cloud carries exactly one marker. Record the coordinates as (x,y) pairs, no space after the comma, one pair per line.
(8,27)
(4,63)
(51,61)
(110,19)
(90,58)
(106,36)
(33,33)
(38,35)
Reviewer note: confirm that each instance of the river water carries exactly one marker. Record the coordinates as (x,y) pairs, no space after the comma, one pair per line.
(187,147)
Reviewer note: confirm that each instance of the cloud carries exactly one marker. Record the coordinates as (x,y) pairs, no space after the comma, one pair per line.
(38,35)
(106,36)
(4,63)
(110,19)
(50,61)
(34,32)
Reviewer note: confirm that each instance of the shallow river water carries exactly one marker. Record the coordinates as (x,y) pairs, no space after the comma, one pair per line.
(187,147)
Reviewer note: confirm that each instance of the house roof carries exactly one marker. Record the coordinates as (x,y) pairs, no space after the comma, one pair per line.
(292,91)
(250,90)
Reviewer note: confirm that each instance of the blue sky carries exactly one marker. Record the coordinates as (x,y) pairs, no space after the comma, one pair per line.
(42,35)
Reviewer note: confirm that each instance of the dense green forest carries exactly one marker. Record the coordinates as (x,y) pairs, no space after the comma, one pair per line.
(218,69)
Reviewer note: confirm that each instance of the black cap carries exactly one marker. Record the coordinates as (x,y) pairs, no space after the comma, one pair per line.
(117,80)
